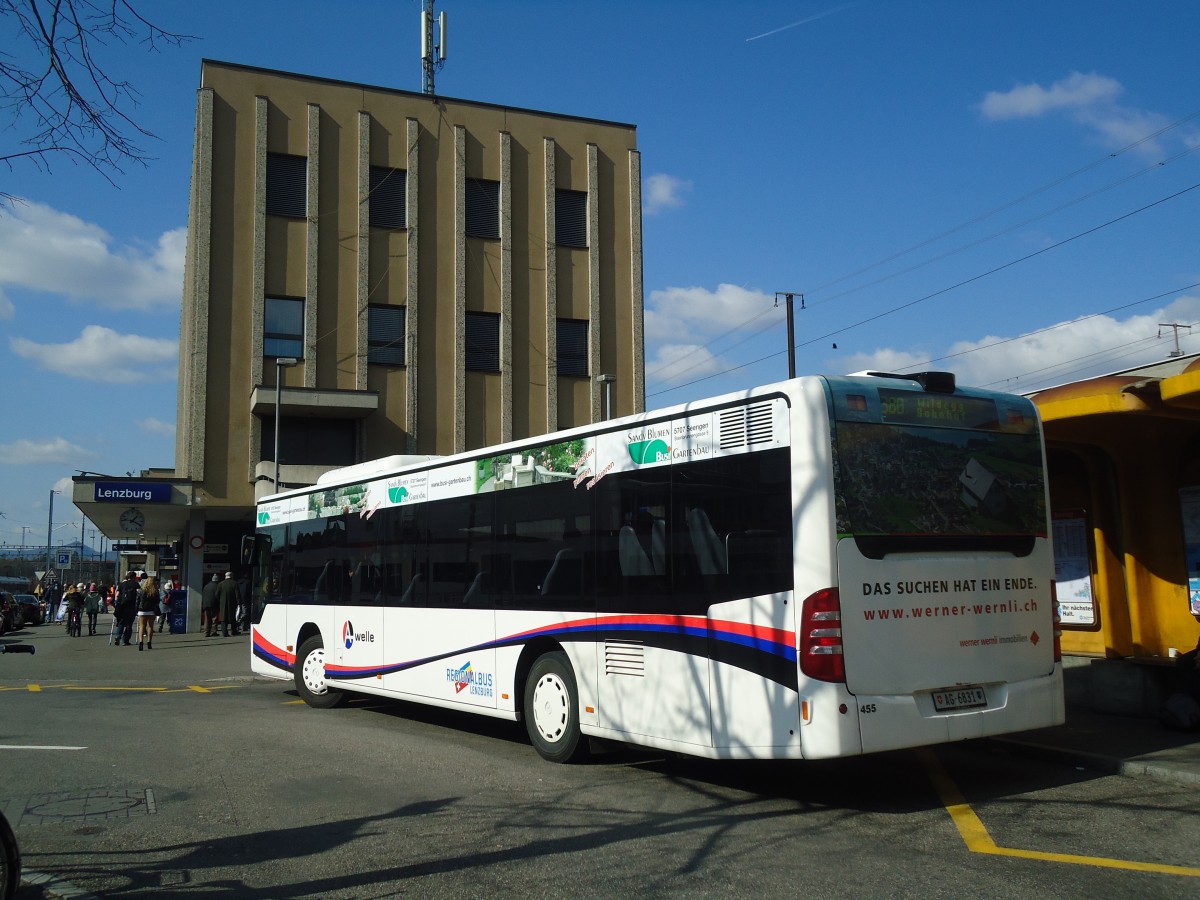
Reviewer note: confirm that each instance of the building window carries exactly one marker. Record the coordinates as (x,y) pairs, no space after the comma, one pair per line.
(287,185)
(310,441)
(483,208)
(573,347)
(483,342)
(389,193)
(570,218)
(283,327)
(385,335)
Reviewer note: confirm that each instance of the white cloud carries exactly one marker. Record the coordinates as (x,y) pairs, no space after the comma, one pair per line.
(43,249)
(681,323)
(688,313)
(672,363)
(1089,100)
(157,426)
(1076,91)
(664,192)
(101,354)
(1068,351)
(25,452)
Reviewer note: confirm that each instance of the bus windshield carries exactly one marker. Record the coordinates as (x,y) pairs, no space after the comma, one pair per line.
(911,467)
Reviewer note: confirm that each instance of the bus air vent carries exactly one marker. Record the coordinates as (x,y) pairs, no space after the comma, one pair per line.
(747,425)
(624,658)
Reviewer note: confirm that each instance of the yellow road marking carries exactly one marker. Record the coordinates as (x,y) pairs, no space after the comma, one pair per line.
(190,689)
(975,834)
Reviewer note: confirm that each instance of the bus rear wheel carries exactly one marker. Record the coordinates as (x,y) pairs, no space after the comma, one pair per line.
(310,676)
(552,709)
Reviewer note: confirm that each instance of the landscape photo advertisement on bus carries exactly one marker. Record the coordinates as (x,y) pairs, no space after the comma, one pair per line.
(682,578)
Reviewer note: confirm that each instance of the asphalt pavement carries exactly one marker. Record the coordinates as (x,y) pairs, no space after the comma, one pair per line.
(1115,745)
(1089,740)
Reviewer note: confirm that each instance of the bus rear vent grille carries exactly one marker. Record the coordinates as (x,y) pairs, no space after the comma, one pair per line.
(624,658)
(746,425)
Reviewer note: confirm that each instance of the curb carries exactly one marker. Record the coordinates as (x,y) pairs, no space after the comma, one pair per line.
(1098,762)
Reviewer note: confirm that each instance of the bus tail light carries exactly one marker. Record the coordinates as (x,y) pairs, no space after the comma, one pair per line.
(1057,621)
(821,637)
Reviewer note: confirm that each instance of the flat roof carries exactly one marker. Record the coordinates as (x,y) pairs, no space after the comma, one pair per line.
(416,95)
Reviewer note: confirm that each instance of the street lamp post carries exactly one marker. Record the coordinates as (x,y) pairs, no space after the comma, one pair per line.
(49,533)
(281,363)
(607,381)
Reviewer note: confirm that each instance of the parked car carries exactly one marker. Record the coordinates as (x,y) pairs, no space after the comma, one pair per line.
(9,612)
(32,611)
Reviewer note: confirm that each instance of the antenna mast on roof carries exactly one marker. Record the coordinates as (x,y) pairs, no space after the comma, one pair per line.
(433,56)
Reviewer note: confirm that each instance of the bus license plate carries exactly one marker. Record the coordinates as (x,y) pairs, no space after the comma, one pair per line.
(959,698)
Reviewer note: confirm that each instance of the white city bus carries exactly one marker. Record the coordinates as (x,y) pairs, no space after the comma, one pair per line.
(823,567)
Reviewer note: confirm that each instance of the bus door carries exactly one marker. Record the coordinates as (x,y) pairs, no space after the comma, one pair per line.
(653,662)
(350,581)
(446,620)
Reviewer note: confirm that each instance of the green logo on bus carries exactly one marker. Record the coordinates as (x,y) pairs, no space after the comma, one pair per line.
(264,518)
(642,452)
(397,494)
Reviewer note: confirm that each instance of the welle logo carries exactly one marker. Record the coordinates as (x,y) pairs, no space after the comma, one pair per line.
(349,635)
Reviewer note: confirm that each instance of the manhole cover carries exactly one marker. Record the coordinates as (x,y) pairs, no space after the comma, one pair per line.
(49,809)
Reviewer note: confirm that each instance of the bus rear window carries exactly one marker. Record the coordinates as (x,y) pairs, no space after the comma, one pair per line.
(910,483)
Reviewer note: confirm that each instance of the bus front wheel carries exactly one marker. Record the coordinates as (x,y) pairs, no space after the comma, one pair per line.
(552,709)
(310,676)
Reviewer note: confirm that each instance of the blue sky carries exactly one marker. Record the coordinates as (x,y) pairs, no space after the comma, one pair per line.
(1005,190)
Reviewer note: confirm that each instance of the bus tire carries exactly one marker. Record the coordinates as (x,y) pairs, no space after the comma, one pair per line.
(309,675)
(552,709)
(10,861)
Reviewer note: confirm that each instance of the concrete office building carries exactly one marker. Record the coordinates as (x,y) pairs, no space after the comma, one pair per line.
(447,275)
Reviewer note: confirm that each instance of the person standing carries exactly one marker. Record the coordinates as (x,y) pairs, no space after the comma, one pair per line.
(164,604)
(147,611)
(91,605)
(227,596)
(125,608)
(208,606)
(53,598)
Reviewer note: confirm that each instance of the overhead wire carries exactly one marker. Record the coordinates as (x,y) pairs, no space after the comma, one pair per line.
(1023,198)
(1130,348)
(1049,328)
(975,220)
(945,290)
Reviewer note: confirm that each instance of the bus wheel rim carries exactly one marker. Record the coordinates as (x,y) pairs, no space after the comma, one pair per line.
(314,671)
(551,707)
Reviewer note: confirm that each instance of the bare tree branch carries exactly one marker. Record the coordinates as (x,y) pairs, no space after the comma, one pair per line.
(56,89)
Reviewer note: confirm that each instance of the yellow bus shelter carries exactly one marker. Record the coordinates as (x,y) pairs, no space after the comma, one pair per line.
(1124,474)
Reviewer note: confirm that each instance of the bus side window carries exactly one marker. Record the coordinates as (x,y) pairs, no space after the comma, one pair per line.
(328,587)
(414,594)
(634,560)
(707,546)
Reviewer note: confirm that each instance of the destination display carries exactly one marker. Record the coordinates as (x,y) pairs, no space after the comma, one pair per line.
(947,410)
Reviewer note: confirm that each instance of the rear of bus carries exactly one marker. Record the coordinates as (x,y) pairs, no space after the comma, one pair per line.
(941,623)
